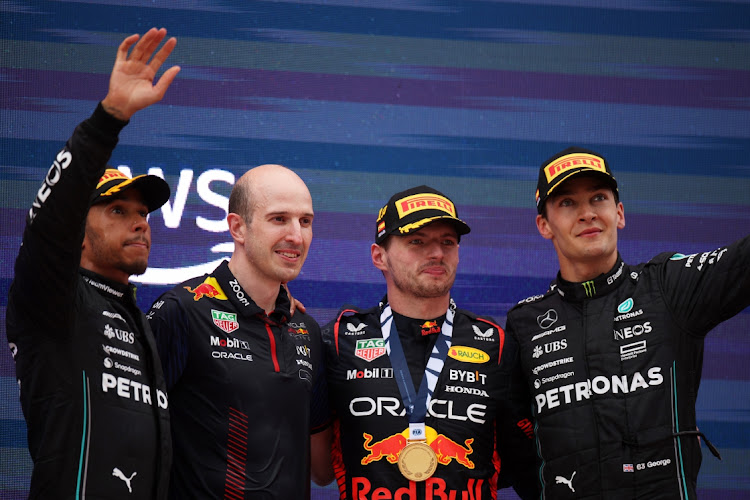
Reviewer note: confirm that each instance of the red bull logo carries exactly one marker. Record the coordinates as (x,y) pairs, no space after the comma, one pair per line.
(435,488)
(447,449)
(209,288)
(430,327)
(444,447)
(388,448)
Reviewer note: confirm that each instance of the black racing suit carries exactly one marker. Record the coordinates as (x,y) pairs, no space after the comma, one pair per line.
(239,386)
(91,387)
(614,365)
(478,422)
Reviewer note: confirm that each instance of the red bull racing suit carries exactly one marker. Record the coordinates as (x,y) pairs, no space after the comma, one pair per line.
(614,366)
(478,421)
(239,384)
(91,387)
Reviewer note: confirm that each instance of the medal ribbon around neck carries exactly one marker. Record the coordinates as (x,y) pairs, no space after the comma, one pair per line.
(416,403)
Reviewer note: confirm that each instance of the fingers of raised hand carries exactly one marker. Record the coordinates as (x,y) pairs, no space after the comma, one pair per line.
(163,53)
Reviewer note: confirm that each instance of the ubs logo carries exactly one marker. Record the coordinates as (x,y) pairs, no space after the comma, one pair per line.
(121,335)
(547,319)
(557,345)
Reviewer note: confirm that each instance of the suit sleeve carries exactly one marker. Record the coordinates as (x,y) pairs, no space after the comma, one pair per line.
(707,288)
(47,265)
(515,432)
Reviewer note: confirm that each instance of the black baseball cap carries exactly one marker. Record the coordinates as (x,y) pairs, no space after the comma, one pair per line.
(154,189)
(564,165)
(414,208)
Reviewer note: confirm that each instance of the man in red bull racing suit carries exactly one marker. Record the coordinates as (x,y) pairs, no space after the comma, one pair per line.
(475,434)
(613,352)
(239,370)
(91,386)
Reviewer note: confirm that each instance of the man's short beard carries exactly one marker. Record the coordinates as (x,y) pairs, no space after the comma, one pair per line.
(134,268)
(102,253)
(431,291)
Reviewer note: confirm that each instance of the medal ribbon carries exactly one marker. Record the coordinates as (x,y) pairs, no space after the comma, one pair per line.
(416,403)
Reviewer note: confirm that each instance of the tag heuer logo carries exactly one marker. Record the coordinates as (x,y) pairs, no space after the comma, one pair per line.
(224,320)
(369,349)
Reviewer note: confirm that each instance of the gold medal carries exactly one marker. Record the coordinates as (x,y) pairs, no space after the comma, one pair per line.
(417,461)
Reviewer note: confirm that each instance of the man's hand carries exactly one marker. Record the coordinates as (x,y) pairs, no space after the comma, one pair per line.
(131,85)
(295,304)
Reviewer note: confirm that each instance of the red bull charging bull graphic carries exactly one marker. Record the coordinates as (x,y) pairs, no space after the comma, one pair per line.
(434,488)
(209,288)
(445,448)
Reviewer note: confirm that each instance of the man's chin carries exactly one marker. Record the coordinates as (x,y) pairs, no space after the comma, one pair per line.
(287,275)
(135,268)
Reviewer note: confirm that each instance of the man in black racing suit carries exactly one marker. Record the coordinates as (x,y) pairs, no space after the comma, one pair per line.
(239,370)
(91,387)
(477,420)
(612,352)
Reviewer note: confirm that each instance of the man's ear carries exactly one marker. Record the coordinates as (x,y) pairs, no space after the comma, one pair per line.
(542,225)
(237,227)
(620,216)
(379,257)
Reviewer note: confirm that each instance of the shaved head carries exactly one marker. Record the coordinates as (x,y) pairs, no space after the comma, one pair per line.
(252,188)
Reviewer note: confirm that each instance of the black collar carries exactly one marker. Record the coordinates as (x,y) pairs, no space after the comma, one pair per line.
(601,285)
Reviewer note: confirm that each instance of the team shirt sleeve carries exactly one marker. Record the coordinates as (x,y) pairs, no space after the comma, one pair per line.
(170,326)
(707,288)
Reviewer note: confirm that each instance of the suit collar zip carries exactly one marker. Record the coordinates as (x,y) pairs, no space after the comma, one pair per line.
(599,286)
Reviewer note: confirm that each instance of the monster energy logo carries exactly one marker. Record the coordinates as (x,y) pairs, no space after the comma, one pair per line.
(589,288)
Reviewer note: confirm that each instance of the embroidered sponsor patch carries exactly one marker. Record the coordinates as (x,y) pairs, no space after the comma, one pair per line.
(224,320)
(369,349)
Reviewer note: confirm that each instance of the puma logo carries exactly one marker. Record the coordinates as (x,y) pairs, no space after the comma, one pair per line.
(569,482)
(118,474)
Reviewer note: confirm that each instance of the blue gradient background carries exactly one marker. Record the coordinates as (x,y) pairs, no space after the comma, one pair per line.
(366,98)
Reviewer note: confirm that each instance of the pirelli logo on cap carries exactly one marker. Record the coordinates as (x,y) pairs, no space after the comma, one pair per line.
(424,201)
(110,174)
(573,160)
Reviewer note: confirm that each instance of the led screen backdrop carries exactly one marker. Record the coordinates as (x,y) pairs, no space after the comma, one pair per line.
(366,98)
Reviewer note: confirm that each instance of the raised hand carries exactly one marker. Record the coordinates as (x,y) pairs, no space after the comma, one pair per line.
(131,84)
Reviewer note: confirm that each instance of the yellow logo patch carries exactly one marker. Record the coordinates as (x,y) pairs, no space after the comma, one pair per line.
(573,160)
(425,201)
(468,354)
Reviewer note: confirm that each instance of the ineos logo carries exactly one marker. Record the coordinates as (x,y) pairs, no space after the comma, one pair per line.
(547,319)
